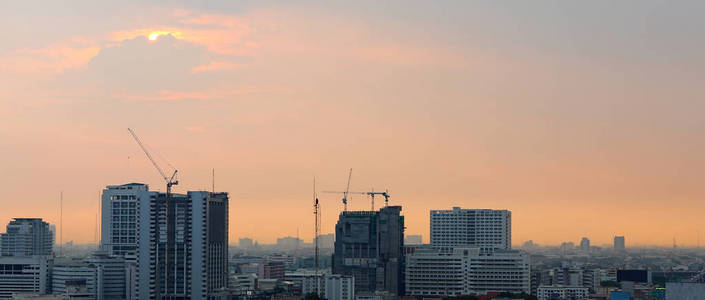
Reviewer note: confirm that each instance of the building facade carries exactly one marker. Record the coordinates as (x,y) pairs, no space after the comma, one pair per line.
(25,275)
(27,237)
(110,276)
(368,247)
(187,257)
(486,229)
(432,272)
(562,292)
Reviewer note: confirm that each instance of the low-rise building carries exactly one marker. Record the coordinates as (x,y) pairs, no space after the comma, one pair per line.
(24,275)
(561,292)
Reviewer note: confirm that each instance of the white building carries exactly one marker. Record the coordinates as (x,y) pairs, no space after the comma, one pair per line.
(562,292)
(243,283)
(486,229)
(331,287)
(24,275)
(465,271)
(76,273)
(27,237)
(339,287)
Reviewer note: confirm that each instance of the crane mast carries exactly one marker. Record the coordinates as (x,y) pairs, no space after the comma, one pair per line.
(170,224)
(317,216)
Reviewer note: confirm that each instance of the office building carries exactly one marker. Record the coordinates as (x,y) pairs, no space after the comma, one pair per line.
(271,270)
(413,239)
(77,273)
(110,276)
(585,244)
(619,243)
(562,292)
(27,237)
(121,205)
(368,246)
(432,272)
(23,274)
(289,243)
(187,257)
(486,229)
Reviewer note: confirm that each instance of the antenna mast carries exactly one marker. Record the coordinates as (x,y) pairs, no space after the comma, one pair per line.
(317,217)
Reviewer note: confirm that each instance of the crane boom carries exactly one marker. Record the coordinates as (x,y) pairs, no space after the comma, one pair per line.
(144,149)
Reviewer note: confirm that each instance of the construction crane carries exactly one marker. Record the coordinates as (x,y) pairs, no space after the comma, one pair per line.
(346,192)
(170,224)
(372,195)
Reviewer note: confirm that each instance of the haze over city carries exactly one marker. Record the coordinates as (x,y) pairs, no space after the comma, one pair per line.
(582,118)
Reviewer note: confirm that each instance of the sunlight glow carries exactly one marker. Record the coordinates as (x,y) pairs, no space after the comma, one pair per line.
(153,36)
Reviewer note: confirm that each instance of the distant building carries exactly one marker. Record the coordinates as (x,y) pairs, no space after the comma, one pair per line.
(619,243)
(431,272)
(685,290)
(271,270)
(25,275)
(289,243)
(486,229)
(326,241)
(413,239)
(562,292)
(27,237)
(245,243)
(585,244)
(368,247)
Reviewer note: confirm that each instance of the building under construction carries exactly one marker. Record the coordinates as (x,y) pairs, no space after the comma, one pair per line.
(368,246)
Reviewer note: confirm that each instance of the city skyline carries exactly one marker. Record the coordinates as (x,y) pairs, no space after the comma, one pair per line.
(581,126)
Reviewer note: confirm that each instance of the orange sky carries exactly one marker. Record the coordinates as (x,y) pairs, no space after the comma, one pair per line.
(583,119)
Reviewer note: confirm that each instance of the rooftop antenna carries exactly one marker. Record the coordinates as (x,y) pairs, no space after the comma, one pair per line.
(213,179)
(61,222)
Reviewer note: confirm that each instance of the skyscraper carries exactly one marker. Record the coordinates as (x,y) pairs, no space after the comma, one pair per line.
(368,246)
(27,237)
(486,229)
(619,243)
(189,260)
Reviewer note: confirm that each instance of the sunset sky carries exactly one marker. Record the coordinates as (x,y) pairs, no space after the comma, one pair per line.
(582,118)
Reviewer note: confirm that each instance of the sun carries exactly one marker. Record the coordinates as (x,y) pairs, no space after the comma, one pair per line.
(153,36)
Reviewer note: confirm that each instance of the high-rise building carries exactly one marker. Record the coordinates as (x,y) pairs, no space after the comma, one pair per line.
(432,272)
(27,237)
(25,275)
(619,243)
(368,246)
(134,226)
(120,221)
(585,244)
(486,229)
(186,258)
